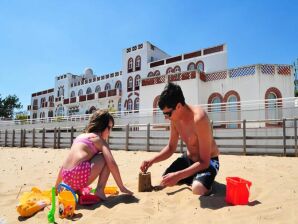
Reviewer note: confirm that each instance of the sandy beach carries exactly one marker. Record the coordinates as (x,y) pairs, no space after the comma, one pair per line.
(273,195)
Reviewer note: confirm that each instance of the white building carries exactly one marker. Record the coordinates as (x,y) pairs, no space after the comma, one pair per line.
(202,74)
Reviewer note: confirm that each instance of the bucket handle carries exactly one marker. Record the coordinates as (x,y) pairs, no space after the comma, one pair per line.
(69,189)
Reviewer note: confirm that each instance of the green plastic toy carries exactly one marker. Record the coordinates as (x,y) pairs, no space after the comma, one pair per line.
(51,214)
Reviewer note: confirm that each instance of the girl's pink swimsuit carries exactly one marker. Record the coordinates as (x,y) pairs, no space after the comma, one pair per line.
(77,177)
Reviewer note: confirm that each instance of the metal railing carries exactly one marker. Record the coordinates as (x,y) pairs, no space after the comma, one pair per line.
(280,139)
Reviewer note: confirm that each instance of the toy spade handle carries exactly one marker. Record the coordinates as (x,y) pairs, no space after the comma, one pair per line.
(68,188)
(51,214)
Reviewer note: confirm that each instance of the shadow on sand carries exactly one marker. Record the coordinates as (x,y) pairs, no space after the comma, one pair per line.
(216,199)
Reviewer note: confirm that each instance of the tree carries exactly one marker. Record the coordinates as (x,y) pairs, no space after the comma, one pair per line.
(7,106)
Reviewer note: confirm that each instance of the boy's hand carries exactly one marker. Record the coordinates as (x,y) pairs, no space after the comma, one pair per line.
(145,165)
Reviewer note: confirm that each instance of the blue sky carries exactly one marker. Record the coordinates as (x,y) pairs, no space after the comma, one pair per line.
(42,39)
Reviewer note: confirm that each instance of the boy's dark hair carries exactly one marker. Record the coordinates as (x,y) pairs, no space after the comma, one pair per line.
(171,96)
(99,121)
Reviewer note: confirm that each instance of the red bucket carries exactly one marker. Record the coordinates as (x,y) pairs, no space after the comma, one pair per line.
(237,191)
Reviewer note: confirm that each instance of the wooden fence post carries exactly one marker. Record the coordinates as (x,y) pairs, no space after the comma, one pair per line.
(21,138)
(24,138)
(126,137)
(55,138)
(181,145)
(71,135)
(295,136)
(13,137)
(59,136)
(5,138)
(244,137)
(43,138)
(148,138)
(33,137)
(284,136)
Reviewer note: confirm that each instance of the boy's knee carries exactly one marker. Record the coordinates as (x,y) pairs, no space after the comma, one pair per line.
(199,189)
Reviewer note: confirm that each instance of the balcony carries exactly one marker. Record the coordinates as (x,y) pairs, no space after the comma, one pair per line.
(82,98)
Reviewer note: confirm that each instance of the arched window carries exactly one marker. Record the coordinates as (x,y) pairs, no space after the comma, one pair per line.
(136,105)
(232,108)
(60,111)
(50,113)
(92,109)
(51,99)
(200,66)
(150,74)
(169,70)
(42,102)
(177,69)
(138,63)
(73,94)
(118,85)
(129,105)
(191,66)
(158,116)
(80,92)
(273,106)
(215,107)
(34,115)
(157,73)
(137,82)
(89,90)
(97,89)
(42,115)
(60,91)
(129,84)
(108,86)
(130,65)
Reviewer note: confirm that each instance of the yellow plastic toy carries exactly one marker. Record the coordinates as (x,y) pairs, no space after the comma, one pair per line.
(33,201)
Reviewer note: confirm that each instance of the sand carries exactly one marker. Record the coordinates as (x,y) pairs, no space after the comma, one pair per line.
(273,194)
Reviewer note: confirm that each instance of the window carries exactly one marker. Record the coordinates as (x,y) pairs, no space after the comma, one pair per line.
(129,84)
(232,113)
(107,86)
(97,89)
(138,63)
(129,105)
(273,106)
(118,85)
(89,90)
(80,92)
(137,82)
(169,70)
(60,111)
(177,69)
(50,113)
(130,65)
(191,66)
(200,66)
(42,102)
(157,73)
(51,99)
(150,74)
(73,94)
(215,107)
(136,105)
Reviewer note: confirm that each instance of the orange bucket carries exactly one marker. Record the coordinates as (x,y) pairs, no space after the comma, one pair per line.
(67,201)
(237,191)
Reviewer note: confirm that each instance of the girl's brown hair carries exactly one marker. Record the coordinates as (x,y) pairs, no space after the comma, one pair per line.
(99,121)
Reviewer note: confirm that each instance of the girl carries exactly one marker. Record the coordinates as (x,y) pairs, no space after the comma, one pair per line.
(90,157)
